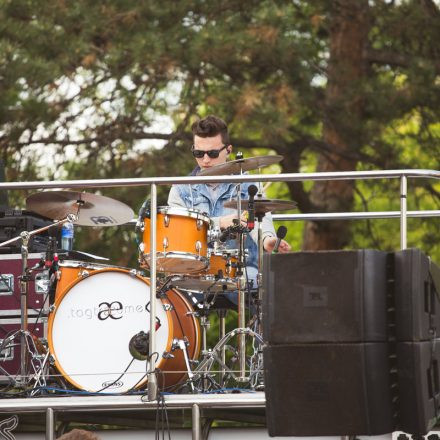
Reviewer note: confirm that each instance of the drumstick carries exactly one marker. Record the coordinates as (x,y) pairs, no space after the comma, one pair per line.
(266,185)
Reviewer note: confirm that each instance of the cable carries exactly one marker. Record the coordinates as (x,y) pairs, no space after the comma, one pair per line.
(161,410)
(116,380)
(146,373)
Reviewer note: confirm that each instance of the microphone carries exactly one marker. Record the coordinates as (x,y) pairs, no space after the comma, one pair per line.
(281,233)
(252,190)
(139,345)
(51,252)
(224,235)
(143,212)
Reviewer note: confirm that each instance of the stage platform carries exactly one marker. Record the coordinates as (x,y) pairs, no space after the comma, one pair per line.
(190,411)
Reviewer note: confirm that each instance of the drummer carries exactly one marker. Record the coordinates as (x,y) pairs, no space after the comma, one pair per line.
(211,146)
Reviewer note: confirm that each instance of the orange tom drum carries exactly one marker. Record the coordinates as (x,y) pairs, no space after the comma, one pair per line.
(219,277)
(225,261)
(181,240)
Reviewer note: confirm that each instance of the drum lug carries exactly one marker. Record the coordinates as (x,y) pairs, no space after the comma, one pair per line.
(199,224)
(165,244)
(228,268)
(167,355)
(179,344)
(166,220)
(167,307)
(84,274)
(198,246)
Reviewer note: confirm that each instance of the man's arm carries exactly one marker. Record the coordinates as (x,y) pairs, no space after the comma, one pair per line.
(174,198)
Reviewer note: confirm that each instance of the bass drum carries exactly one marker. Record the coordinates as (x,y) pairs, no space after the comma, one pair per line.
(95,318)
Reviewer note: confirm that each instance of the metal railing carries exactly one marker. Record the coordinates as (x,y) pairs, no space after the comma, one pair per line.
(193,401)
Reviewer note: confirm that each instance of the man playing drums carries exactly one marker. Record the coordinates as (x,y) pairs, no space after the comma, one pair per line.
(211,147)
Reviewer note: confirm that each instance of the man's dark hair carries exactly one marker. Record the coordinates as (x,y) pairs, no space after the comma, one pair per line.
(211,126)
(79,434)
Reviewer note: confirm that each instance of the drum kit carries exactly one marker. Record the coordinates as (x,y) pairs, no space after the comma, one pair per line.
(99,314)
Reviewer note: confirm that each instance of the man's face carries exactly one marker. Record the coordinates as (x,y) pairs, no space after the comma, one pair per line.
(210,143)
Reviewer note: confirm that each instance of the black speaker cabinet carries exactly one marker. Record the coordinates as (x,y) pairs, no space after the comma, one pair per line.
(14,222)
(419,385)
(417,303)
(326,296)
(328,389)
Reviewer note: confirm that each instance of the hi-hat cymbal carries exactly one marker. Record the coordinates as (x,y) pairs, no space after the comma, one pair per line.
(91,209)
(240,165)
(263,205)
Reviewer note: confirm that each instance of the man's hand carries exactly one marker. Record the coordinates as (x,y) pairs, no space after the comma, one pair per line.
(269,244)
(227,220)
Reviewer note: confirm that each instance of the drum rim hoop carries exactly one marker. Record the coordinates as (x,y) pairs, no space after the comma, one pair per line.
(184,212)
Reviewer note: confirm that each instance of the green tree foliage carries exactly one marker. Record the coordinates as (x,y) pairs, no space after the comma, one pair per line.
(331,86)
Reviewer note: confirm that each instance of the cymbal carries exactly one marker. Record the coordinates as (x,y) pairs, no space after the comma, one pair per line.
(91,209)
(239,165)
(263,205)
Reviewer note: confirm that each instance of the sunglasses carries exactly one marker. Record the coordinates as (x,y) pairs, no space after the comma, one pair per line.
(213,154)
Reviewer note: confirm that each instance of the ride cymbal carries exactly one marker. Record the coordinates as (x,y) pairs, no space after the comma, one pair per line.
(91,209)
(240,165)
(263,205)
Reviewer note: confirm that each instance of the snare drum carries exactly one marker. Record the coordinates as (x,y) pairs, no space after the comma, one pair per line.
(95,319)
(181,240)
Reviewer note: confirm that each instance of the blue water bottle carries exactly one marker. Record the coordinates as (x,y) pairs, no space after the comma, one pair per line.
(67,236)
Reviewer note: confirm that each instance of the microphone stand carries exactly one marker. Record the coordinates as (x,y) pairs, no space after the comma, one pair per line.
(25,277)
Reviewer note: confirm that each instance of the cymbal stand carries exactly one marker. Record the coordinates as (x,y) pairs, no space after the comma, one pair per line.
(27,344)
(241,294)
(259,216)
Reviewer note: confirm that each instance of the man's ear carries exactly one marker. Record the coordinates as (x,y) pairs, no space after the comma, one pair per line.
(229,149)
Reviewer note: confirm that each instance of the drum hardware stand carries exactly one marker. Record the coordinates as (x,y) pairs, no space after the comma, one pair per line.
(241,294)
(237,231)
(183,345)
(221,333)
(216,355)
(258,357)
(260,216)
(27,344)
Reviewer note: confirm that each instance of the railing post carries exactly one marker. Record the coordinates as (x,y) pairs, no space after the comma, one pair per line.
(50,424)
(152,380)
(403,211)
(196,426)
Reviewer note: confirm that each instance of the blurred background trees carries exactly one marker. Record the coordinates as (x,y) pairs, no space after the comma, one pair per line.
(109,89)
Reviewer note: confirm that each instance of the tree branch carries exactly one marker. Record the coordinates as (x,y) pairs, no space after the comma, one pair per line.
(387,57)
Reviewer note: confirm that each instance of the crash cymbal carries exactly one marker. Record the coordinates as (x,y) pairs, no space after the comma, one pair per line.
(91,209)
(263,205)
(240,165)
